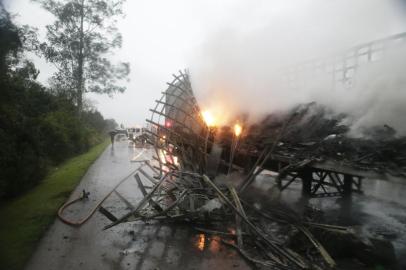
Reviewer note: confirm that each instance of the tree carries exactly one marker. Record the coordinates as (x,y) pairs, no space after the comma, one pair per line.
(38,127)
(79,42)
(10,42)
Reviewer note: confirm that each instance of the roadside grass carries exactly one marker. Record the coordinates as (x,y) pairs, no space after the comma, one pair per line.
(24,220)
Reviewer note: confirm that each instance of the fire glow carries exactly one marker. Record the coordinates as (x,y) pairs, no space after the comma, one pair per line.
(208,118)
(201,242)
(237,130)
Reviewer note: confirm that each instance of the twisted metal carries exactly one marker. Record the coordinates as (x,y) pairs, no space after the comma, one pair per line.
(176,128)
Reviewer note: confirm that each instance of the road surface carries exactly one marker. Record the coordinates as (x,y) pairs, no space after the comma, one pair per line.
(130,245)
(379,212)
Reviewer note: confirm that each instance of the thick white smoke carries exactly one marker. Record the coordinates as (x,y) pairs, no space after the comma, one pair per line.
(238,69)
(378,96)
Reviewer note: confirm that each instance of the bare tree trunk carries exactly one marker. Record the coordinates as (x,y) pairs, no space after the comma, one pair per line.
(80,62)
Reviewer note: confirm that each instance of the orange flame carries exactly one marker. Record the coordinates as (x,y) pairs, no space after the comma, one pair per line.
(237,129)
(201,241)
(208,118)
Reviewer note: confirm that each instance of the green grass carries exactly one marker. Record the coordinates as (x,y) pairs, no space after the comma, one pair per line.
(24,220)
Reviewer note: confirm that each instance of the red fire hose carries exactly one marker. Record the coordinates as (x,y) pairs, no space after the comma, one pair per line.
(83,196)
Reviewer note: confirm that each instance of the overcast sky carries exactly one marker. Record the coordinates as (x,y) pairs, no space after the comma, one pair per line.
(161,36)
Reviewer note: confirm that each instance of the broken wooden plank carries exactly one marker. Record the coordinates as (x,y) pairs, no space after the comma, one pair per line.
(156,206)
(287,254)
(238,228)
(107,214)
(140,204)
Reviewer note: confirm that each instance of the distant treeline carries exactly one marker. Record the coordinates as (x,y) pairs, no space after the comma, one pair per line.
(39,126)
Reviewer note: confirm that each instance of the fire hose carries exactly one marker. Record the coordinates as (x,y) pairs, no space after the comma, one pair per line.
(85,195)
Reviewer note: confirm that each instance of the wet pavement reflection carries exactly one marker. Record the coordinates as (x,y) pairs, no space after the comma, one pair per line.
(134,245)
(159,246)
(379,212)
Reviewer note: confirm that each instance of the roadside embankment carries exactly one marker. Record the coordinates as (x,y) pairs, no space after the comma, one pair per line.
(25,219)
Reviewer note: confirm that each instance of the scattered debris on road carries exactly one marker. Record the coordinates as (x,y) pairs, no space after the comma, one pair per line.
(200,178)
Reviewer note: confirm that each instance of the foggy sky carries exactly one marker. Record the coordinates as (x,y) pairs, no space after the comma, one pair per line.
(158,39)
(236,36)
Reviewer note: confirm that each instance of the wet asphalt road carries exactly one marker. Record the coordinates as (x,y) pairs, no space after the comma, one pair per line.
(130,245)
(379,212)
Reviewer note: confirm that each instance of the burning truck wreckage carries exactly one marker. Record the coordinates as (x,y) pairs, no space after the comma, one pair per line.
(204,173)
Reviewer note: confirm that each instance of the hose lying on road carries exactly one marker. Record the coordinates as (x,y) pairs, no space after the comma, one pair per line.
(83,196)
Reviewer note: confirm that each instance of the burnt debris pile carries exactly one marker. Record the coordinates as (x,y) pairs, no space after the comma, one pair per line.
(312,132)
(200,173)
(264,238)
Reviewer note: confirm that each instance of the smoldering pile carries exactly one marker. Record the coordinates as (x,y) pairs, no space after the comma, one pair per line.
(191,182)
(275,237)
(313,132)
(212,208)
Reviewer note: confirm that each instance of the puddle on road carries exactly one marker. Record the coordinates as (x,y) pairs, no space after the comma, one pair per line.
(170,246)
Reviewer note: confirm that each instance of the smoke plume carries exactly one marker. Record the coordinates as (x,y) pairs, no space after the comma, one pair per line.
(239,68)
